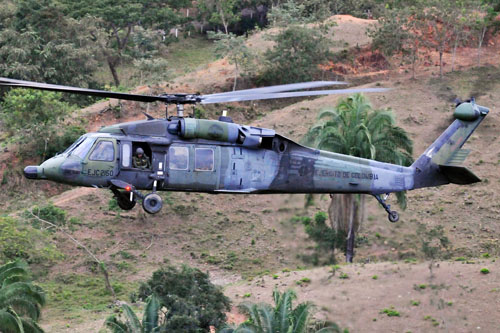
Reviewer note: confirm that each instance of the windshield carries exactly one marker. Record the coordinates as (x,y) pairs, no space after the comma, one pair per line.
(77,142)
(83,148)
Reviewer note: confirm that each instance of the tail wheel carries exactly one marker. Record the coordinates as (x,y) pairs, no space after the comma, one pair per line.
(152,203)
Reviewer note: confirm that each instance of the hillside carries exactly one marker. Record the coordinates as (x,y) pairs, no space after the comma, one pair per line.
(244,240)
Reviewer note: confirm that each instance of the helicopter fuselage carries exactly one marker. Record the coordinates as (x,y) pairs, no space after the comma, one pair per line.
(258,161)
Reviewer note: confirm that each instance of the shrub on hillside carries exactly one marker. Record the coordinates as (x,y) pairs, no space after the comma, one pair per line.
(194,303)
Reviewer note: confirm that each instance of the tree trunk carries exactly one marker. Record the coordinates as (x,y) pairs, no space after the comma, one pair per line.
(454,54)
(236,72)
(112,67)
(481,38)
(345,215)
(440,64)
(349,254)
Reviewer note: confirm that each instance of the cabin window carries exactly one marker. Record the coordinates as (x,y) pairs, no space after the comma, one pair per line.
(83,148)
(126,154)
(103,151)
(204,159)
(178,158)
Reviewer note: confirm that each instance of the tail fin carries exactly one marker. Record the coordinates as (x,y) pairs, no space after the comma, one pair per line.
(441,163)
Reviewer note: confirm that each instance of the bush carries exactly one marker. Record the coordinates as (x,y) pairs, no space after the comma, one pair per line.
(194,303)
(17,241)
(48,213)
(296,56)
(28,114)
(326,238)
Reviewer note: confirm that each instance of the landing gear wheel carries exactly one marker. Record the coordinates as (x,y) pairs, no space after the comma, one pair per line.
(125,203)
(152,203)
(393,216)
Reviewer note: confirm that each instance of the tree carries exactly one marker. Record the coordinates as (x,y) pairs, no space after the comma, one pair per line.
(434,243)
(237,52)
(398,32)
(481,18)
(20,300)
(439,19)
(32,116)
(283,317)
(117,21)
(296,55)
(299,11)
(354,128)
(39,43)
(192,302)
(152,319)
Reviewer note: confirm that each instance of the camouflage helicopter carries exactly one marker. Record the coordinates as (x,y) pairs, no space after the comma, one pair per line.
(219,156)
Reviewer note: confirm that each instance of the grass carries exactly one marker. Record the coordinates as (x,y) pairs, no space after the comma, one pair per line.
(71,293)
(485,271)
(188,54)
(391,312)
(183,57)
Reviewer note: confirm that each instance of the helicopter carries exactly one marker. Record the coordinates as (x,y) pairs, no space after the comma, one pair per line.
(219,156)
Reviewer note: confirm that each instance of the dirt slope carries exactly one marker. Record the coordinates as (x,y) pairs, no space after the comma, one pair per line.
(458,299)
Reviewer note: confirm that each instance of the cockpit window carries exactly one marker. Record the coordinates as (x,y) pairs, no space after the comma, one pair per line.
(76,143)
(204,159)
(179,158)
(83,148)
(103,151)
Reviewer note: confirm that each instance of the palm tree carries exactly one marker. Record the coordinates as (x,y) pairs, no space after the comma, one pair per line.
(20,300)
(354,128)
(151,320)
(263,318)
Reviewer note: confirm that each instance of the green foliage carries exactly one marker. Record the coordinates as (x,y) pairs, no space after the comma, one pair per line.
(39,42)
(151,319)
(283,317)
(32,116)
(119,22)
(354,128)
(391,312)
(326,238)
(485,271)
(20,299)
(434,242)
(296,55)
(20,241)
(194,303)
(237,52)
(48,213)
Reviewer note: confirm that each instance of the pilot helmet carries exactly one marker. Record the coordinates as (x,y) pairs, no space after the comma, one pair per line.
(139,151)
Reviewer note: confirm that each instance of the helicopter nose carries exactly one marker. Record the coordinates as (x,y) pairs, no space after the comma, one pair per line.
(31,172)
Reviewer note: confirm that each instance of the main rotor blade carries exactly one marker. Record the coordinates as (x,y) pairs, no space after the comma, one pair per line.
(208,99)
(281,88)
(82,91)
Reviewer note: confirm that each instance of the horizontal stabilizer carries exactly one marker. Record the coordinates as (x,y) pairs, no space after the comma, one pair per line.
(458,174)
(458,157)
